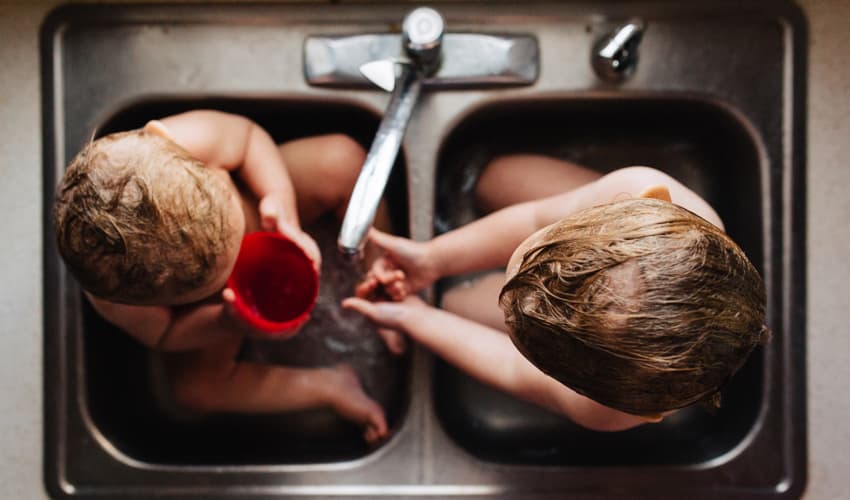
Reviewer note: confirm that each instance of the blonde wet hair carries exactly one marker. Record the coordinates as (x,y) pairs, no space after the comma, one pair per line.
(639,305)
(139,220)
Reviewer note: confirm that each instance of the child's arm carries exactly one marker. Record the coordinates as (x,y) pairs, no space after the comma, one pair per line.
(235,143)
(167,328)
(489,356)
(488,243)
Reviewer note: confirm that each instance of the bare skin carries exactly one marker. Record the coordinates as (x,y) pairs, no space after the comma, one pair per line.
(201,325)
(469,332)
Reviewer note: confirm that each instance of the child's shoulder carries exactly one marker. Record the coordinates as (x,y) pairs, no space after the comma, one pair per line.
(145,323)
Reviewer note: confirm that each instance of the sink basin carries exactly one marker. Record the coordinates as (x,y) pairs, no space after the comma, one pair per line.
(695,141)
(126,390)
(717,99)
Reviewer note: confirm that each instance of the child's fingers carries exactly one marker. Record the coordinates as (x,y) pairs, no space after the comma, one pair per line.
(375,433)
(303,240)
(391,245)
(228,296)
(394,340)
(380,238)
(269,213)
(360,305)
(385,314)
(397,290)
(386,272)
(371,435)
(367,287)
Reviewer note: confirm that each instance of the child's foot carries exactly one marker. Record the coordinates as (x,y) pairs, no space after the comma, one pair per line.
(352,403)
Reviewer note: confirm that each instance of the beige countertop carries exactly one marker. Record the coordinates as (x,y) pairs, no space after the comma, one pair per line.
(21,309)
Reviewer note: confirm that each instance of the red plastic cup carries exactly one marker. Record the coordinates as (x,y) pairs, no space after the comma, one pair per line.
(274,282)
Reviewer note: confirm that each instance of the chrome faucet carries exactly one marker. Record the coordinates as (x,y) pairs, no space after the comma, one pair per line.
(615,55)
(422,36)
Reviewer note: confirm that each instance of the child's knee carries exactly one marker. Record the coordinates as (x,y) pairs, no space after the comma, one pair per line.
(494,174)
(489,191)
(341,156)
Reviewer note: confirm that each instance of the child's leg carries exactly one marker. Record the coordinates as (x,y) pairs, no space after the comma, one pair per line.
(210,381)
(324,170)
(478,300)
(512,179)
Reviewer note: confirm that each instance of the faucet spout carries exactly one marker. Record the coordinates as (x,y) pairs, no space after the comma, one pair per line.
(422,35)
(376,170)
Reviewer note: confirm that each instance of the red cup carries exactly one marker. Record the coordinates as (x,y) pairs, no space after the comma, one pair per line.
(274,281)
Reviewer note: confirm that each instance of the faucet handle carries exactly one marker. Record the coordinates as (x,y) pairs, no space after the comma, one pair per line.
(382,72)
(615,55)
(422,36)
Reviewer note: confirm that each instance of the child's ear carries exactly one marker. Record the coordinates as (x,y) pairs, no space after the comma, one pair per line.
(658,192)
(158,128)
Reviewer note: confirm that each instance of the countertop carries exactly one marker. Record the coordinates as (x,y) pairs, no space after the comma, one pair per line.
(828,240)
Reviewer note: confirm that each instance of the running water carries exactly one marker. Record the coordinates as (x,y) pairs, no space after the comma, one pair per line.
(334,335)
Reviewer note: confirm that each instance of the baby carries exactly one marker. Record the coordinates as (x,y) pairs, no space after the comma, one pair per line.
(150,222)
(623,299)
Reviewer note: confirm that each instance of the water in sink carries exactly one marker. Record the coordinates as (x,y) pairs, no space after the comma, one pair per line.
(334,335)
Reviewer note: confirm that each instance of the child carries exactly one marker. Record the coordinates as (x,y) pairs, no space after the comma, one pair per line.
(150,222)
(622,305)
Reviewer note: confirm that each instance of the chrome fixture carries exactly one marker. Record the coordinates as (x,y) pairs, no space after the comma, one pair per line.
(421,56)
(422,36)
(615,55)
(469,60)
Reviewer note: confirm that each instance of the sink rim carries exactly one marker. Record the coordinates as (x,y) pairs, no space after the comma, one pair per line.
(787,146)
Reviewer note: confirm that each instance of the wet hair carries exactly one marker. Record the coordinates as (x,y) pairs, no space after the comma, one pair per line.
(638,304)
(137,219)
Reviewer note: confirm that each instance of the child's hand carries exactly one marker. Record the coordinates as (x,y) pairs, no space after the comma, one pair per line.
(412,258)
(304,241)
(233,318)
(274,218)
(390,318)
(382,282)
(392,315)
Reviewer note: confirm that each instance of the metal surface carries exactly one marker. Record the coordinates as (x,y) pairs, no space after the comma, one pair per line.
(615,55)
(717,99)
(470,60)
(422,34)
(422,37)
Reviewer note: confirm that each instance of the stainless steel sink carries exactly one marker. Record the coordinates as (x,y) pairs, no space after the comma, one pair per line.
(716,99)
(695,140)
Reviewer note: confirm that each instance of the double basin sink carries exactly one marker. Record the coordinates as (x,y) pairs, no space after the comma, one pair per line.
(716,101)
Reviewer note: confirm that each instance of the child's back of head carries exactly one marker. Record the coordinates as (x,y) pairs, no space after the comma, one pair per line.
(639,305)
(138,220)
